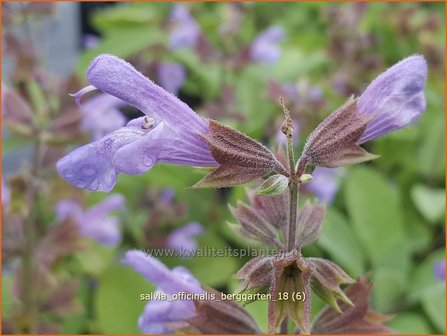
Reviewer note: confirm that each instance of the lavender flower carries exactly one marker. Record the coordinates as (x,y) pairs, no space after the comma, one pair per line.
(95,222)
(186,31)
(171,76)
(392,101)
(325,183)
(167,195)
(102,115)
(168,133)
(157,313)
(182,239)
(265,47)
(439,270)
(395,98)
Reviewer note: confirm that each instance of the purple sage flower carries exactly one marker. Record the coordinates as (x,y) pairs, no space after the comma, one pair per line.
(171,76)
(158,313)
(265,47)
(183,240)
(102,115)
(95,222)
(325,183)
(168,133)
(439,270)
(395,98)
(186,31)
(167,195)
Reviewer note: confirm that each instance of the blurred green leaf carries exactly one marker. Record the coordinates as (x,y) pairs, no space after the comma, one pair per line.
(95,258)
(434,306)
(374,207)
(422,278)
(250,89)
(295,63)
(431,151)
(389,285)
(338,239)
(410,323)
(7,282)
(429,201)
(123,17)
(122,43)
(204,79)
(117,301)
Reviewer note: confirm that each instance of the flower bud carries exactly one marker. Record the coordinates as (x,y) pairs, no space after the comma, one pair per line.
(305,178)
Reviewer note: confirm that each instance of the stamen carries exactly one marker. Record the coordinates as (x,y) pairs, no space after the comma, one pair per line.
(78,95)
(149,123)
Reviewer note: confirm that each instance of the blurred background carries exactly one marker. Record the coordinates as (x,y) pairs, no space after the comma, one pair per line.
(61,247)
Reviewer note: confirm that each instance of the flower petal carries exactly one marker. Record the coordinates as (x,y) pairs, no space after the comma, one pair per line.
(111,203)
(186,31)
(171,76)
(91,166)
(115,76)
(157,313)
(102,115)
(105,230)
(67,208)
(183,239)
(265,47)
(395,98)
(140,155)
(170,282)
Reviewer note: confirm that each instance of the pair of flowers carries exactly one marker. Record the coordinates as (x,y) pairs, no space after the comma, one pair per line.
(171,132)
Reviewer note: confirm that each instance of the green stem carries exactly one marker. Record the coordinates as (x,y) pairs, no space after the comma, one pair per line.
(293,193)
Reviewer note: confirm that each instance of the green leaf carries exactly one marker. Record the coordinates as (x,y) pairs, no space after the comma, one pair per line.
(203,79)
(251,100)
(431,154)
(117,301)
(338,239)
(410,323)
(430,202)
(123,17)
(295,63)
(422,278)
(375,210)
(95,258)
(7,282)
(434,306)
(374,207)
(274,185)
(389,285)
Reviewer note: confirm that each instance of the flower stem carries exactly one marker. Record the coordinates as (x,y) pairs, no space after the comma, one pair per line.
(293,193)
